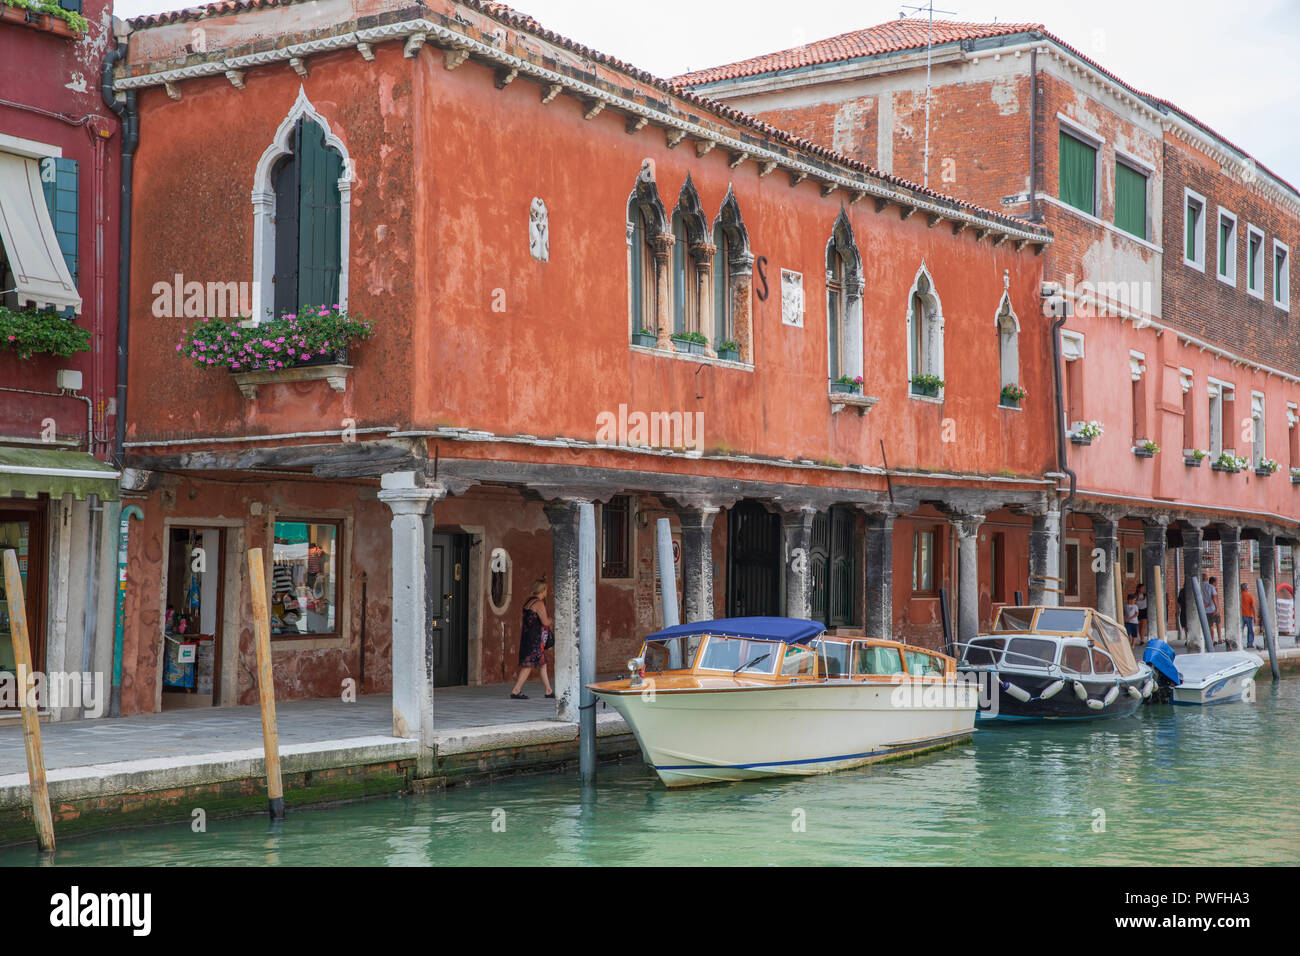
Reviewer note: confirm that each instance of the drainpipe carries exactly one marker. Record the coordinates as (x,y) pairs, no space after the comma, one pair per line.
(1033,138)
(1062,464)
(130,120)
(123,535)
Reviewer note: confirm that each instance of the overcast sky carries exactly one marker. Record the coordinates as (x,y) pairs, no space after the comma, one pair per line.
(1236,71)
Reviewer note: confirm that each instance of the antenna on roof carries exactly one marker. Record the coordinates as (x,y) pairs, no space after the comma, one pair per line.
(928,9)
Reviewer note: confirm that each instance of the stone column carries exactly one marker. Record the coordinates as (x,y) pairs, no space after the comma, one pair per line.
(1268,574)
(1044,557)
(1155,534)
(1230,586)
(1191,571)
(741,267)
(796,539)
(878,610)
(663,256)
(702,253)
(968,578)
(563,517)
(415,603)
(851,360)
(1105,531)
(697,562)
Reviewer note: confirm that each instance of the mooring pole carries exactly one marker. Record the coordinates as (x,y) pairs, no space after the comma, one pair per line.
(119,627)
(667,576)
(266,682)
(586,642)
(1207,641)
(1020,599)
(1267,626)
(1157,605)
(39,786)
(947,624)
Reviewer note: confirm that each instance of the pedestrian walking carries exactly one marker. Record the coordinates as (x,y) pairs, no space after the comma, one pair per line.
(1131,618)
(534,638)
(1248,611)
(1210,599)
(1141,594)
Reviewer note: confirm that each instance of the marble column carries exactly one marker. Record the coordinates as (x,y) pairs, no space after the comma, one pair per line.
(796,540)
(1044,558)
(878,610)
(1191,571)
(697,562)
(1105,532)
(1154,553)
(663,259)
(968,580)
(1230,586)
(563,515)
(415,603)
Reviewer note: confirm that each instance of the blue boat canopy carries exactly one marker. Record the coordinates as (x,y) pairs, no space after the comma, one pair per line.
(790,630)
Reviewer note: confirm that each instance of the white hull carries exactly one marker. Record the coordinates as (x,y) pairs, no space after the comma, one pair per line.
(701,736)
(1235,680)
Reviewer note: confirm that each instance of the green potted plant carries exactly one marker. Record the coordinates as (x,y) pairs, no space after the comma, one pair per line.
(927,385)
(1011,396)
(729,350)
(1265,467)
(316,335)
(1146,449)
(1192,457)
(844,385)
(44,15)
(31,332)
(1085,433)
(1228,462)
(692,342)
(645,337)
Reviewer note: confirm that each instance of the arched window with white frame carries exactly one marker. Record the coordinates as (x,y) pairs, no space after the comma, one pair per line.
(302,195)
(925,337)
(649,245)
(844,286)
(1008,329)
(692,265)
(732,281)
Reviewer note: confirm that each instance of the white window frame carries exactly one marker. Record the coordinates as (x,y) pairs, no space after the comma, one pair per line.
(1086,136)
(1214,417)
(1199,241)
(1229,277)
(1259,447)
(1285,301)
(1146,171)
(1258,291)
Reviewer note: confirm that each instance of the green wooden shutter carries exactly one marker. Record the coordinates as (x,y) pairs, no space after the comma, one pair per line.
(1191,215)
(59,180)
(1078,174)
(319,233)
(1130,200)
(1225,232)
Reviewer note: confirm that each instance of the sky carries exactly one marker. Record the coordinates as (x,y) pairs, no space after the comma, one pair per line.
(1231,65)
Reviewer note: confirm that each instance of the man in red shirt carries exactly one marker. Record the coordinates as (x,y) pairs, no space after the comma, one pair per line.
(1248,614)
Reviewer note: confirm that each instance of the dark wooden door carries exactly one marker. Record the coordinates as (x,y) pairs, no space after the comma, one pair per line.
(23,529)
(753,561)
(449,573)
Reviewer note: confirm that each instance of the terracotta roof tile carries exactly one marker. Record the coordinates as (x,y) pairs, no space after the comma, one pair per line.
(889,37)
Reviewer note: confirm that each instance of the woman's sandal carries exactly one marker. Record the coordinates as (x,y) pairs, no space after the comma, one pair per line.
(551,695)
(518,696)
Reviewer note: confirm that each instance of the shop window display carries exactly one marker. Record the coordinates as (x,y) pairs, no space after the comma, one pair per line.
(304,579)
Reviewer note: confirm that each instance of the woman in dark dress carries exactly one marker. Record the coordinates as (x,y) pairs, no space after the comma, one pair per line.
(535,628)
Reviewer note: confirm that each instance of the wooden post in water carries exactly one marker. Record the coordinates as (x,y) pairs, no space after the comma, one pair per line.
(1268,625)
(266,682)
(1120,596)
(39,786)
(1157,605)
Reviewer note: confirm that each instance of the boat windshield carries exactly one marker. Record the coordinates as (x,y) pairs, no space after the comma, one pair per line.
(921,664)
(1109,636)
(671,653)
(1030,652)
(1014,619)
(742,654)
(985,652)
(876,659)
(1063,619)
(832,657)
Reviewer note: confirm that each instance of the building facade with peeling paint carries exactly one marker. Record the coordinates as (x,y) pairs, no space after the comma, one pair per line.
(1171,261)
(584,285)
(60,183)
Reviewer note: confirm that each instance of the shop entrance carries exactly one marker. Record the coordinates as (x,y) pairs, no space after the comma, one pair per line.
(449,572)
(753,561)
(22,529)
(191,673)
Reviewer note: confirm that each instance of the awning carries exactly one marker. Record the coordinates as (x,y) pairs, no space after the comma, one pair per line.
(27,472)
(40,272)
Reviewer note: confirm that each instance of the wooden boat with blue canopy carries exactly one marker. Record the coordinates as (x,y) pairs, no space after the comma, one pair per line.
(745,697)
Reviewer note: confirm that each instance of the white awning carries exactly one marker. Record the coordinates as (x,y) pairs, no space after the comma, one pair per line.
(41,275)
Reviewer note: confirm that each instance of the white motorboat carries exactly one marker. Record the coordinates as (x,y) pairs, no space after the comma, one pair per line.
(1217,677)
(738,698)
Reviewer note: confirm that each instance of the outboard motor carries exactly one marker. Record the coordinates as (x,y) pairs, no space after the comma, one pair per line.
(1160,656)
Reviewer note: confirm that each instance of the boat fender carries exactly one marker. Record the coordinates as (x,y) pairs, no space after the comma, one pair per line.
(1080,691)
(1133,691)
(1148,687)
(1019,693)
(1095,704)
(1051,690)
(1110,696)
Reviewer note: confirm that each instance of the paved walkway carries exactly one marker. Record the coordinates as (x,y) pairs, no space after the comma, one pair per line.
(192,731)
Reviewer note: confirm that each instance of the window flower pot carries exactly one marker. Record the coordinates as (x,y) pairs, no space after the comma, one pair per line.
(1215,466)
(646,339)
(1295,479)
(843,388)
(1141,452)
(689,347)
(729,355)
(925,391)
(1080,440)
(1009,402)
(1191,461)
(1263,472)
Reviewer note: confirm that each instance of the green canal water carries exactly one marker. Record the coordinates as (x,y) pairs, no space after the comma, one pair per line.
(1170,785)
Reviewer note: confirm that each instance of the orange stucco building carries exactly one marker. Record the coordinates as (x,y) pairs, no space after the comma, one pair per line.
(585,285)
